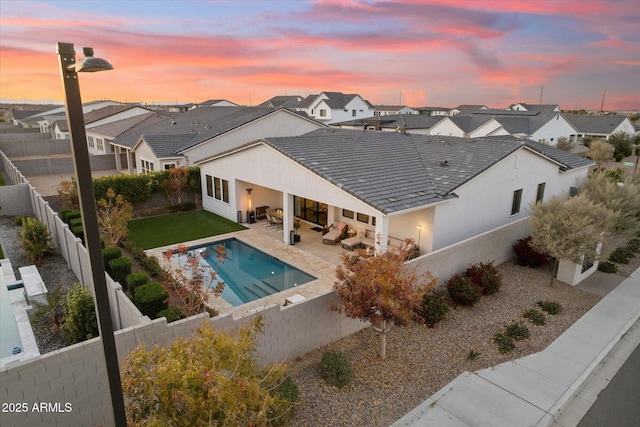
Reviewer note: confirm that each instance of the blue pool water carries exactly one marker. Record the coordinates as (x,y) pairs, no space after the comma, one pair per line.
(9,335)
(247,272)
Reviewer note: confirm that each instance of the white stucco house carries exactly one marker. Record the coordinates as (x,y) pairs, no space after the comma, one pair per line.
(589,125)
(391,183)
(186,138)
(333,107)
(393,110)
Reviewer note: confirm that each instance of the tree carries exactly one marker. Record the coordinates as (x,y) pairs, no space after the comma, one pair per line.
(620,196)
(600,151)
(113,217)
(35,239)
(381,290)
(190,279)
(564,143)
(68,193)
(178,183)
(208,379)
(569,229)
(621,142)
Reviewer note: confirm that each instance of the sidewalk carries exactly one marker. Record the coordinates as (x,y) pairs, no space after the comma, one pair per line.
(537,389)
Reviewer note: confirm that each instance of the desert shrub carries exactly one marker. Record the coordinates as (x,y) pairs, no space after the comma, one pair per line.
(462,290)
(81,322)
(110,253)
(485,276)
(35,239)
(621,256)
(527,255)
(434,306)
(550,307)
(608,267)
(136,279)
(335,368)
(536,317)
(517,331)
(505,343)
(286,393)
(17,221)
(119,269)
(634,245)
(618,156)
(151,299)
(171,314)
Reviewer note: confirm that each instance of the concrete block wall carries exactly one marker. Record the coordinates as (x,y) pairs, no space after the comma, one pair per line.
(15,136)
(31,144)
(62,165)
(14,200)
(494,245)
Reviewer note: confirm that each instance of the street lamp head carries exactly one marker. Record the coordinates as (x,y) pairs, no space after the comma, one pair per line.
(90,63)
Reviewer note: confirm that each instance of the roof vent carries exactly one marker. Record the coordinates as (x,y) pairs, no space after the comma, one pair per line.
(443,164)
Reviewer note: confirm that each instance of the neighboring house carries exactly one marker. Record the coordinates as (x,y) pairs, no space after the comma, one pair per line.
(216,103)
(588,125)
(205,131)
(334,107)
(437,111)
(45,119)
(283,101)
(391,183)
(411,123)
(393,110)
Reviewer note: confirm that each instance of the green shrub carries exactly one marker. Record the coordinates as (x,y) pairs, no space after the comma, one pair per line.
(151,299)
(136,279)
(550,307)
(528,256)
(621,256)
(473,355)
(78,231)
(536,317)
(285,391)
(171,314)
(75,222)
(634,245)
(517,331)
(608,267)
(153,267)
(81,322)
(335,368)
(434,306)
(462,290)
(505,343)
(485,276)
(17,221)
(35,239)
(119,269)
(108,254)
(69,215)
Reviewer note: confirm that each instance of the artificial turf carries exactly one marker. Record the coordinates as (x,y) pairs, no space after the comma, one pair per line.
(179,227)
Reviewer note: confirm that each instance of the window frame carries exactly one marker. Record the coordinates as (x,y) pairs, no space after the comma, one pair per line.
(516,202)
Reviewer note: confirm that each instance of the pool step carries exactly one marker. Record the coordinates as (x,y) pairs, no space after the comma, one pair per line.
(256,290)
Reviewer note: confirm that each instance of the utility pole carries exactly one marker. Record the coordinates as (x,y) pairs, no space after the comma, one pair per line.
(541,90)
(602,104)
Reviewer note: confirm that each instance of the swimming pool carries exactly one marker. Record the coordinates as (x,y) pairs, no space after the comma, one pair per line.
(247,272)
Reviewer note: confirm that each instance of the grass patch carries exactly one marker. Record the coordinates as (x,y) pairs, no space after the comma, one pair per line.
(178,227)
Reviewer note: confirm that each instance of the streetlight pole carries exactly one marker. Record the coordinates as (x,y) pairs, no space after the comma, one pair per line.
(75,119)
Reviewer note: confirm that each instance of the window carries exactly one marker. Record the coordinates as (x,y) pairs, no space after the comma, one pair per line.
(100,144)
(323,113)
(209,185)
(363,218)
(145,166)
(353,113)
(221,189)
(515,204)
(540,193)
(91,142)
(169,166)
(347,213)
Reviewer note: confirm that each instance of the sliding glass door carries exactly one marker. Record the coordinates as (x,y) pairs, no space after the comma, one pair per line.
(310,210)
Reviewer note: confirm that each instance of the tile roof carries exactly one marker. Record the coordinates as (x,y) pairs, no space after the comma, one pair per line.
(588,123)
(110,110)
(131,124)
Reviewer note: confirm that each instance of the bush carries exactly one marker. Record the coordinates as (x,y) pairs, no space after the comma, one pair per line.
(171,314)
(434,306)
(608,267)
(528,256)
(17,221)
(286,392)
(136,279)
(69,215)
(518,331)
(618,156)
(151,299)
(621,256)
(462,290)
(119,269)
(153,267)
(536,317)
(81,322)
(485,276)
(550,307)
(109,254)
(505,343)
(75,222)
(335,368)
(634,245)
(35,239)
(78,231)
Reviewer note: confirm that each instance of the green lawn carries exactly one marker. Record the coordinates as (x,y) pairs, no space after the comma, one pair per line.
(179,227)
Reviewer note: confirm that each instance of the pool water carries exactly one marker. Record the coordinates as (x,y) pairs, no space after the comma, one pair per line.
(247,272)
(9,334)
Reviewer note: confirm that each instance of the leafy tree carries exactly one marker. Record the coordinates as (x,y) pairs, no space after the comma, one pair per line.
(208,379)
(177,183)
(81,322)
(600,151)
(113,217)
(381,290)
(35,239)
(620,196)
(68,193)
(190,278)
(621,141)
(569,229)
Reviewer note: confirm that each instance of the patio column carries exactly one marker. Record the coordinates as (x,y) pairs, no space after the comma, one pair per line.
(116,152)
(287,216)
(382,231)
(129,166)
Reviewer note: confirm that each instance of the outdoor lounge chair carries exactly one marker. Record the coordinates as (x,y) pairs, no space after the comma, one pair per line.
(337,232)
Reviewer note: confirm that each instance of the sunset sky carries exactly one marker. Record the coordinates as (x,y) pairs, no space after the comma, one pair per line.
(418,53)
